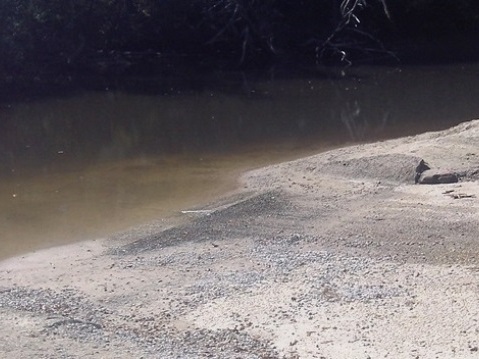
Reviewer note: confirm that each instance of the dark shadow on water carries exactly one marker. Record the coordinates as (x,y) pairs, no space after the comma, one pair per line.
(223,112)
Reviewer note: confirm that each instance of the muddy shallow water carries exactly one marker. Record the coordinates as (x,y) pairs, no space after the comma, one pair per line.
(96,162)
(45,208)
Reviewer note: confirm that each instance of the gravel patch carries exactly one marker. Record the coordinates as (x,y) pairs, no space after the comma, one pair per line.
(63,304)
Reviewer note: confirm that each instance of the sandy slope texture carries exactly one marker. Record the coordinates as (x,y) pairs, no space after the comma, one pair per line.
(337,255)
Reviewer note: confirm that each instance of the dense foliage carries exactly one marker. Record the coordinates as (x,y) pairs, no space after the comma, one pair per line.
(44,36)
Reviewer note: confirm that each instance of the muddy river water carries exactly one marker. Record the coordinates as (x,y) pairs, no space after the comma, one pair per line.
(88,164)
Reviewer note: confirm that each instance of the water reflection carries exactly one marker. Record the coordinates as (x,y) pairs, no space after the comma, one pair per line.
(86,165)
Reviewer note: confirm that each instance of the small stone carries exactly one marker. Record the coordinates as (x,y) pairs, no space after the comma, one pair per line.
(421,167)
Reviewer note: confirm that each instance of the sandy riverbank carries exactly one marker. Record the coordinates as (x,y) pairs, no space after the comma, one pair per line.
(338,255)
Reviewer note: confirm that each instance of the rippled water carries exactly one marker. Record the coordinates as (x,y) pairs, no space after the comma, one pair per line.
(86,165)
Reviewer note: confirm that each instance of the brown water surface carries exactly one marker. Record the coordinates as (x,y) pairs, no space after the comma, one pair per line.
(88,165)
(44,207)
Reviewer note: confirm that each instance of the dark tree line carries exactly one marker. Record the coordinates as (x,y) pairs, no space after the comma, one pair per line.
(51,36)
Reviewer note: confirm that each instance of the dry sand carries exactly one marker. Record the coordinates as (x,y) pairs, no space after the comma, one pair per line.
(338,255)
